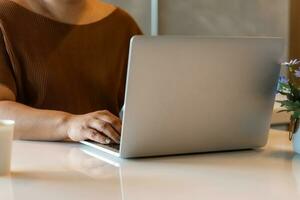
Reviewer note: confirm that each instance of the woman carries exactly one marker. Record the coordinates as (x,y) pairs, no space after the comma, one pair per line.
(62,68)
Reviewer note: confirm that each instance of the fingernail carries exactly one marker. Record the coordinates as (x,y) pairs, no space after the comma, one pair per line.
(107,141)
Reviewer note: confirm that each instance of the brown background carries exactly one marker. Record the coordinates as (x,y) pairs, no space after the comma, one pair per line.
(295,29)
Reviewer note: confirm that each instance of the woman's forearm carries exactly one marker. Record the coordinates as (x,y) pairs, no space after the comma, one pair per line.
(35,124)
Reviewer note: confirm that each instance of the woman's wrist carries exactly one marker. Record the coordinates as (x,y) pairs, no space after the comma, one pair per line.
(64,125)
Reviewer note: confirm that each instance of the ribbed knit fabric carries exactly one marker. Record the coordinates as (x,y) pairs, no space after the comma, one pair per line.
(58,66)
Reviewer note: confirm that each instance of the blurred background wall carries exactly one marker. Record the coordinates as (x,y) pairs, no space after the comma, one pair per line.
(212,17)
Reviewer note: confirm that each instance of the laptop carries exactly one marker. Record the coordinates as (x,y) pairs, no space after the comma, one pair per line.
(197,94)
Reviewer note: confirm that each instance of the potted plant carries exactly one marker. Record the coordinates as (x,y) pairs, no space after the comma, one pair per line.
(289,88)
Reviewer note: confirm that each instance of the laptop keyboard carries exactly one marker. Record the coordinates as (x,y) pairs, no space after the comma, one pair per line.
(114,146)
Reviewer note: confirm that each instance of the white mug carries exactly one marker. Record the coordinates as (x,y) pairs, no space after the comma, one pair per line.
(6,138)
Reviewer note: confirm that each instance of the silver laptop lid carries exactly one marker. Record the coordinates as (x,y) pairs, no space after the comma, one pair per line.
(193,94)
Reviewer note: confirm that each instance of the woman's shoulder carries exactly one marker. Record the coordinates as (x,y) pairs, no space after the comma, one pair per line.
(9,11)
(125,19)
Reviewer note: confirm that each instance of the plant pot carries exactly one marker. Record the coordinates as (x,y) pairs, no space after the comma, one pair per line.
(296,141)
(294,135)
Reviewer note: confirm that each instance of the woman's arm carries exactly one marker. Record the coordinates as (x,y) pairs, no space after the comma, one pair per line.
(49,125)
(34,124)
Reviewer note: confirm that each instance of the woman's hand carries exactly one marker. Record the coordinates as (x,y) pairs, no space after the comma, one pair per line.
(101,126)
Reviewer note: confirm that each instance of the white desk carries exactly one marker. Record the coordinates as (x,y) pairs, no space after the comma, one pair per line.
(60,171)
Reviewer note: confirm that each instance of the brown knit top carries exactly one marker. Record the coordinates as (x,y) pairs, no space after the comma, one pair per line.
(58,66)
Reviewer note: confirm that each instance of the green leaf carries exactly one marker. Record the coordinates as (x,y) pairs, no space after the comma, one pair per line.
(283,93)
(290,105)
(280,111)
(284,87)
(291,97)
(296,115)
(295,91)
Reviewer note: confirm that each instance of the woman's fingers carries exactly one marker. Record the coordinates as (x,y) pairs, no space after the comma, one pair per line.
(106,129)
(96,136)
(101,126)
(112,119)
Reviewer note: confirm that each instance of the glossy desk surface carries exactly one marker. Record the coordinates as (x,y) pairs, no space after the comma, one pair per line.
(42,170)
